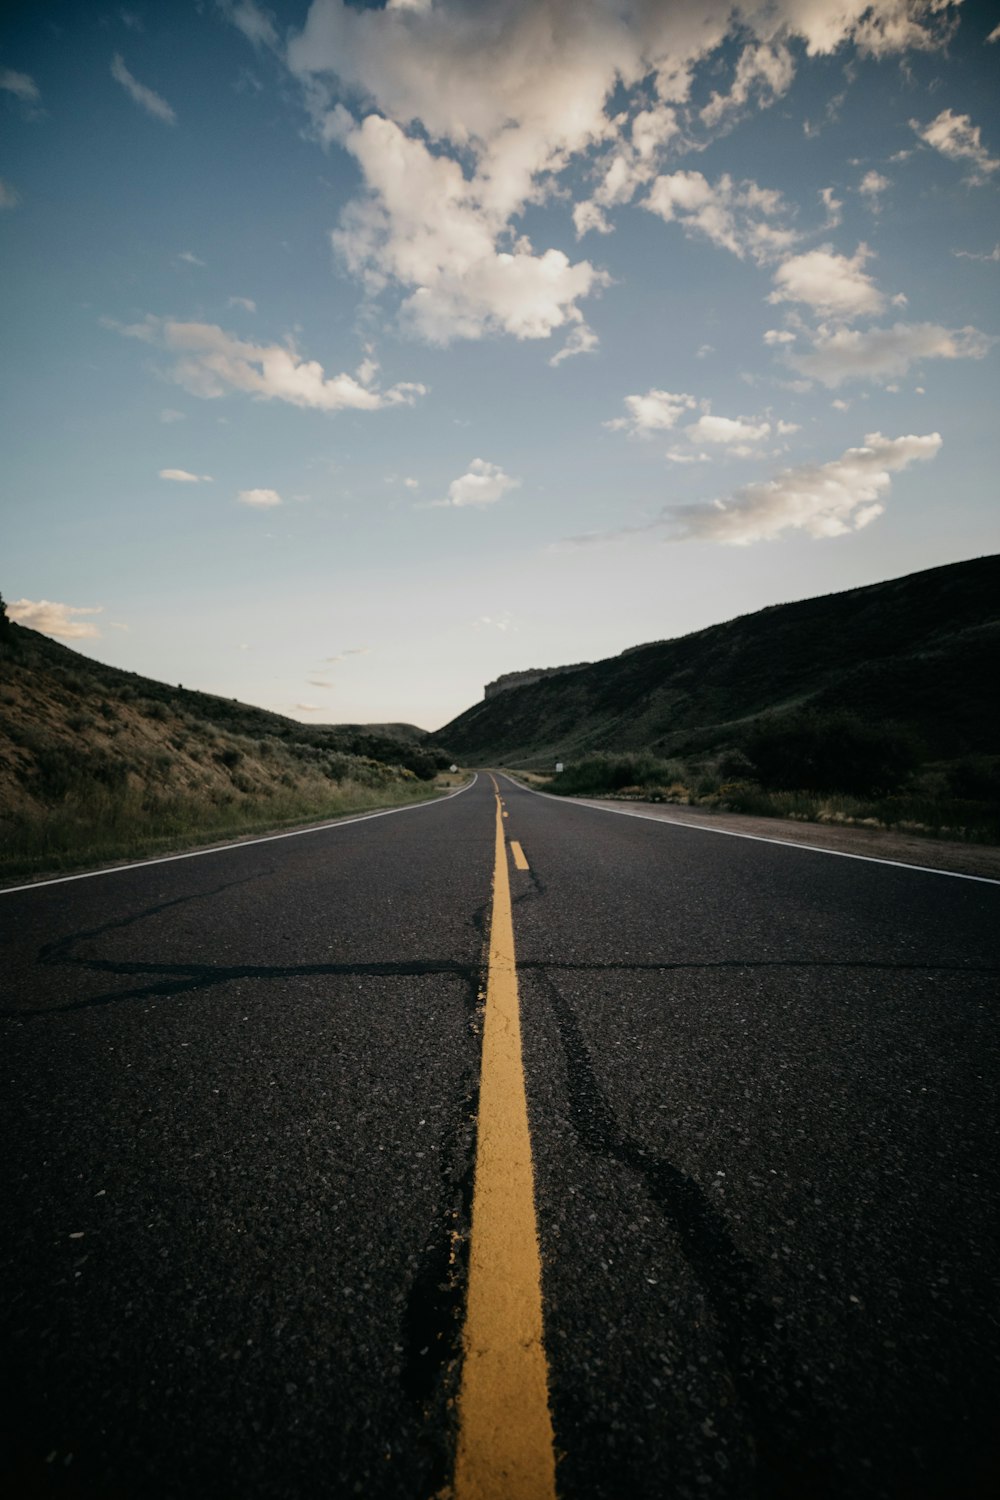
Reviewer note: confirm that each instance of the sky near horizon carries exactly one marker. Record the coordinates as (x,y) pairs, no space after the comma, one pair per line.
(354,355)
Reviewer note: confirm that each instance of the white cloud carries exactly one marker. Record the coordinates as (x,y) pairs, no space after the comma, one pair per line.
(261,499)
(503,623)
(704,350)
(582,340)
(778,336)
(872,186)
(994,35)
(884,353)
(726,431)
(55,619)
(764,70)
(472,116)
(656,411)
(309,708)
(211,362)
(833,206)
(988,255)
(785,429)
(956,137)
(679,456)
(822,500)
(171,414)
(247,303)
(411,484)
(189,257)
(425,226)
(181,476)
(256,23)
(9,196)
(21,85)
(143,96)
(834,285)
(739,217)
(482,484)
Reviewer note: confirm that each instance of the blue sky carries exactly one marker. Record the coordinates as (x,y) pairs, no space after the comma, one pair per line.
(355,355)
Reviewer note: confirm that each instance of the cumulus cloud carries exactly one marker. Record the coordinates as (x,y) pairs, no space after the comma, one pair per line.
(872,186)
(460,118)
(21,85)
(823,500)
(181,476)
(483,483)
(881,354)
(764,71)
(56,619)
(424,226)
(211,363)
(740,217)
(145,97)
(9,196)
(956,137)
(261,499)
(656,411)
(728,431)
(834,285)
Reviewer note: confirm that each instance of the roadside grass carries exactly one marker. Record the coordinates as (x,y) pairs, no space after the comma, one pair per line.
(925,804)
(95,825)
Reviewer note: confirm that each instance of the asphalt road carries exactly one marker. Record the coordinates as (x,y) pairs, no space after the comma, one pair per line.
(239,1145)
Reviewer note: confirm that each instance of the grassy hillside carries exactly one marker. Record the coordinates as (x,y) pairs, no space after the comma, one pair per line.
(920,651)
(99,763)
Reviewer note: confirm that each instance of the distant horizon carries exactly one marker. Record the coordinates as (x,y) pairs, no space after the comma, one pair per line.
(390,718)
(358,354)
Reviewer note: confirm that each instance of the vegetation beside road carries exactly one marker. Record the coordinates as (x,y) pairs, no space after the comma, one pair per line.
(820,768)
(98,764)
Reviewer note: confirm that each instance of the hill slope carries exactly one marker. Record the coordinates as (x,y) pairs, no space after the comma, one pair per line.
(97,762)
(922,651)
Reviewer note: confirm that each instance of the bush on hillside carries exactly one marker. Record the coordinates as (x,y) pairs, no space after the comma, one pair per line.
(599,773)
(830,752)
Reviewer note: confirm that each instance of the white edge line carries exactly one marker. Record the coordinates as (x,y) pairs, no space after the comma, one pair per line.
(758,838)
(269,838)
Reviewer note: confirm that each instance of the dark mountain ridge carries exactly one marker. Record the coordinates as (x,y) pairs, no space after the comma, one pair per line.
(920,651)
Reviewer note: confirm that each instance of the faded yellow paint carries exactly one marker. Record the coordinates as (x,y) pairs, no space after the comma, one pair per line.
(505,1443)
(518,853)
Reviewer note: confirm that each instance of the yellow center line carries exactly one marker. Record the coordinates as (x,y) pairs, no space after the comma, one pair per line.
(518,853)
(505,1444)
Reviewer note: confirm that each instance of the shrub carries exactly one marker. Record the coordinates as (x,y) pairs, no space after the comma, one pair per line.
(975,777)
(830,752)
(595,774)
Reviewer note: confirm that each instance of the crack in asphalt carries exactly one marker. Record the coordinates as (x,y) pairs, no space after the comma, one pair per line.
(791,1441)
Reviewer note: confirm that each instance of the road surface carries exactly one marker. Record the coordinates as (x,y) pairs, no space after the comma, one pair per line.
(727,1227)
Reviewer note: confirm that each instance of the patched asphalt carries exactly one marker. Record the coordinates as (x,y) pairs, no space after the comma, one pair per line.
(239,1140)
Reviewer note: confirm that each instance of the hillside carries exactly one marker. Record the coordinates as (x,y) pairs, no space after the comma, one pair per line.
(921,651)
(96,762)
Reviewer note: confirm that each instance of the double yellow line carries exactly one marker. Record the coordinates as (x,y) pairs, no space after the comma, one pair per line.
(505,1443)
